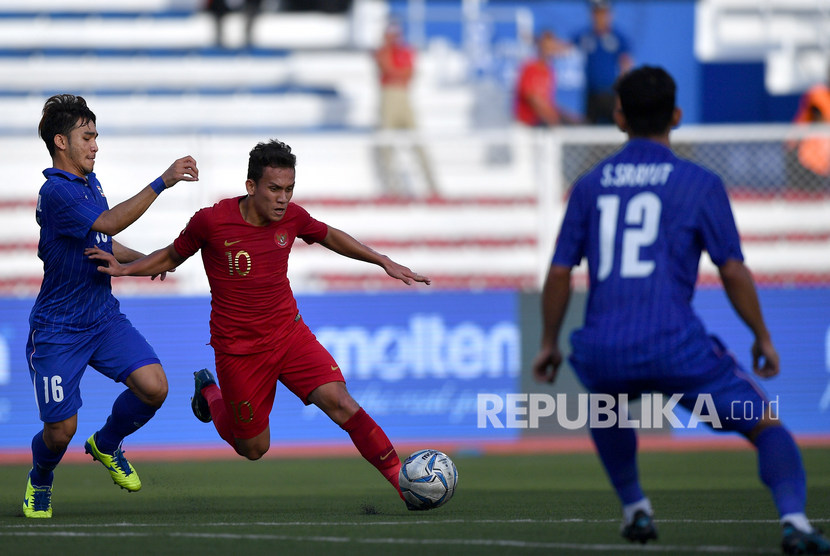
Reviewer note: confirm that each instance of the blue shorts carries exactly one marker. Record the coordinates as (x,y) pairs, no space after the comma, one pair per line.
(57,361)
(738,400)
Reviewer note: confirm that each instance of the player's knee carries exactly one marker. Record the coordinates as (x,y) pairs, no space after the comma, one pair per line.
(149,384)
(155,395)
(58,445)
(253,454)
(58,436)
(159,393)
(252,451)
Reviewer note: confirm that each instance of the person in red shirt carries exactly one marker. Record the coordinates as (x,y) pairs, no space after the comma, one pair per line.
(536,87)
(395,62)
(257,333)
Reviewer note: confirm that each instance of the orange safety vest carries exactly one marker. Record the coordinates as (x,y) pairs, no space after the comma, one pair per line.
(814,151)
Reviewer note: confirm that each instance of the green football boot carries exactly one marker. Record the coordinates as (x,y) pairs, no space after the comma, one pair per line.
(120,469)
(38,500)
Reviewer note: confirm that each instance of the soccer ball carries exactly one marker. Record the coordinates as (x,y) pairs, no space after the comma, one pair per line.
(428,479)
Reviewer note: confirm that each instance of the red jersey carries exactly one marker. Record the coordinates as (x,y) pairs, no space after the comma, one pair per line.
(535,79)
(403,60)
(252,305)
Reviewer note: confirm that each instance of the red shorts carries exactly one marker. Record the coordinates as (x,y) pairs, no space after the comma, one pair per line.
(249,382)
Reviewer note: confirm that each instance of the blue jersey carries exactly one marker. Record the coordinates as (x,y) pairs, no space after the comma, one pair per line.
(642,218)
(602,53)
(74,296)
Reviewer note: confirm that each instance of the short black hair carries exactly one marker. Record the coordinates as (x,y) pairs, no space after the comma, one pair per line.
(275,154)
(61,114)
(648,98)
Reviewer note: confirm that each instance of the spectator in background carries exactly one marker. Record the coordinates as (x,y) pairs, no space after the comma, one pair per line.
(811,167)
(396,64)
(607,56)
(251,9)
(535,103)
(220,8)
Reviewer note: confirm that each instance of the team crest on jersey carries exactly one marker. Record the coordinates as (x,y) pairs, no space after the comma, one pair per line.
(281,238)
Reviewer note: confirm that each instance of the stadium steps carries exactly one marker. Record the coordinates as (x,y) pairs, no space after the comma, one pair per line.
(141,91)
(473,243)
(303,75)
(453,241)
(121,27)
(157,69)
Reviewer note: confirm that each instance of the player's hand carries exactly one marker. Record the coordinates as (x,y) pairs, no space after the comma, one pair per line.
(403,274)
(546,364)
(184,169)
(113,267)
(765,361)
(163,275)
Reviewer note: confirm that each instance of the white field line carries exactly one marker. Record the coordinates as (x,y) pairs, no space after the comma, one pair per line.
(405,522)
(49,530)
(484,543)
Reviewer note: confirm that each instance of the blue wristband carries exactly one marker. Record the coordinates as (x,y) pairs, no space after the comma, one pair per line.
(158,185)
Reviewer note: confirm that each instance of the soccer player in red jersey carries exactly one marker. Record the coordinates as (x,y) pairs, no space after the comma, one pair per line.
(257,333)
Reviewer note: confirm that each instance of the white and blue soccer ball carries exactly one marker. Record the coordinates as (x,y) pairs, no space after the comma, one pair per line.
(428,479)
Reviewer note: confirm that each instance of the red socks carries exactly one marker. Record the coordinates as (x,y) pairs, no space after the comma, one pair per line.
(221,419)
(373,445)
(368,437)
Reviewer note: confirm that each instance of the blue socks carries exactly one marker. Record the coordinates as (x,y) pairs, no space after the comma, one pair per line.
(617,449)
(128,415)
(44,461)
(780,467)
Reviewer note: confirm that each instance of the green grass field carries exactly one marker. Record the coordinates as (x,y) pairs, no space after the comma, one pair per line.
(705,502)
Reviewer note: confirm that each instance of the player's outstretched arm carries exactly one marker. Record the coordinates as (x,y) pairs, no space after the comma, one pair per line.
(119,217)
(343,244)
(157,262)
(740,288)
(556,295)
(124,254)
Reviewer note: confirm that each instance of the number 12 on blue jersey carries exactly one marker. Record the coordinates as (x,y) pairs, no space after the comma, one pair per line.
(641,226)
